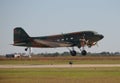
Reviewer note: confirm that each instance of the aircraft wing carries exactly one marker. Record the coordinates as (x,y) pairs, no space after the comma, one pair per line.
(52,44)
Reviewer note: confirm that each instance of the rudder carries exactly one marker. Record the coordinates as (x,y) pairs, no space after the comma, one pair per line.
(20,35)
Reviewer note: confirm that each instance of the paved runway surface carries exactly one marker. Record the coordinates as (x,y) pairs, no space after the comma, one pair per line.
(60,66)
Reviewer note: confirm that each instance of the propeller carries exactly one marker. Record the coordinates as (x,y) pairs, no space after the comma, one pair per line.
(95,43)
(86,42)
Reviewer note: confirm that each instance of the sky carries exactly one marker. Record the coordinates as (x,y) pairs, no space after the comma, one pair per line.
(49,17)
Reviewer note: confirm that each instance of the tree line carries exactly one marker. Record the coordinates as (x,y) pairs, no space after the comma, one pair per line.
(78,54)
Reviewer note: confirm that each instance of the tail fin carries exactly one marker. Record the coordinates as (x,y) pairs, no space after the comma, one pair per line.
(20,35)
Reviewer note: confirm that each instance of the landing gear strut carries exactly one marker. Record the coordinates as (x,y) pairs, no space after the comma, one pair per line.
(72,52)
(83,51)
(83,43)
(29,49)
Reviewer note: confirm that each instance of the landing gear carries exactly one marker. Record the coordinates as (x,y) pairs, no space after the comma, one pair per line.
(29,49)
(73,52)
(83,42)
(26,49)
(84,52)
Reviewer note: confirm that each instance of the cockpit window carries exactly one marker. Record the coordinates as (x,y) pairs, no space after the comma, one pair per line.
(95,33)
(90,33)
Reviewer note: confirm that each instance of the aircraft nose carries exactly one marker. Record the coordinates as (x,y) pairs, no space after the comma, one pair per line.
(101,36)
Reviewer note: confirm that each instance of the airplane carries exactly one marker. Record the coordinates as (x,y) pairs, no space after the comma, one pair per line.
(74,39)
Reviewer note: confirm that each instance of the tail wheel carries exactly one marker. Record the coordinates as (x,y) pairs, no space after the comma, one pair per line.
(26,49)
(29,49)
(84,52)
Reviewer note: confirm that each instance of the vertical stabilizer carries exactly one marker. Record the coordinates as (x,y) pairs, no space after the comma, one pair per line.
(20,35)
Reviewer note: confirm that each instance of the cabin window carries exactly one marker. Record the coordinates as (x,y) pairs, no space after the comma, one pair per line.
(66,38)
(62,39)
(71,38)
(58,40)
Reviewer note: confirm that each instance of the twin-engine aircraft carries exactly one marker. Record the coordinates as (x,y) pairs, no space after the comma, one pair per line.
(75,39)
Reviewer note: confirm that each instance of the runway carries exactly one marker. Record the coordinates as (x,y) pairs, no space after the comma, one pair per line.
(61,66)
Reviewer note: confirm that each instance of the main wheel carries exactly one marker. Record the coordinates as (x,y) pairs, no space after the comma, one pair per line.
(73,53)
(84,52)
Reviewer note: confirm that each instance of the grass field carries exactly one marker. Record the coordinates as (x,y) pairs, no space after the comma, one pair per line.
(33,62)
(60,75)
(61,60)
